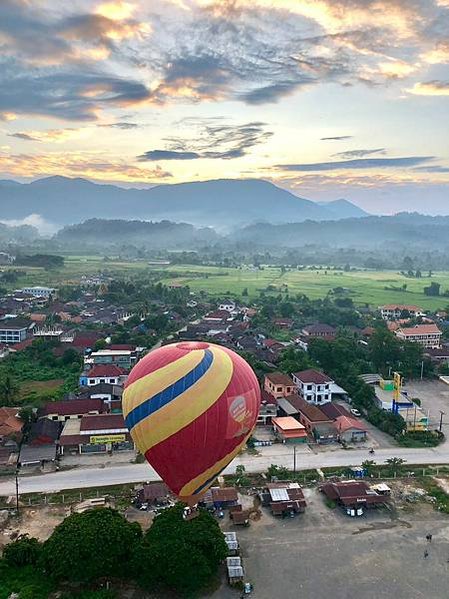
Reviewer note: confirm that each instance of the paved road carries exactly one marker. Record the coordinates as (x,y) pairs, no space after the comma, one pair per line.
(131,473)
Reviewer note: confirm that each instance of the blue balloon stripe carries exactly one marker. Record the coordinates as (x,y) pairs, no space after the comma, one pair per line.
(208,481)
(153,404)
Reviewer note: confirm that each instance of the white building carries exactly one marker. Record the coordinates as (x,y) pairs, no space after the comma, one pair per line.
(395,311)
(14,330)
(427,335)
(313,386)
(46,292)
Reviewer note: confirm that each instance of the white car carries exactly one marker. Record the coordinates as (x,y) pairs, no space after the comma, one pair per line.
(355,412)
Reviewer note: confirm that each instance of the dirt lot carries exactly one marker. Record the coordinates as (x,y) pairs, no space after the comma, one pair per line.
(324,553)
(434,396)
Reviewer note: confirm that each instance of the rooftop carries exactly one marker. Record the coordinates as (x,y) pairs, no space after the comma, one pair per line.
(102,422)
(312,376)
(279,378)
(106,370)
(311,412)
(288,423)
(420,329)
(14,323)
(72,407)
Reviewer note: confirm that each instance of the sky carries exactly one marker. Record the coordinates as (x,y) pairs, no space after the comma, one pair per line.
(327,98)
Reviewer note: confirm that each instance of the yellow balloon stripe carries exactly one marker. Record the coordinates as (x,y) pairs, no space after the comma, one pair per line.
(187,407)
(153,383)
(190,488)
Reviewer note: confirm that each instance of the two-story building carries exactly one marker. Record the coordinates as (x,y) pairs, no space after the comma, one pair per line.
(47,292)
(313,386)
(278,384)
(103,373)
(427,335)
(14,330)
(124,357)
(395,311)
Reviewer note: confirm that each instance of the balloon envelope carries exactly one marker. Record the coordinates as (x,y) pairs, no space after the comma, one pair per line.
(190,407)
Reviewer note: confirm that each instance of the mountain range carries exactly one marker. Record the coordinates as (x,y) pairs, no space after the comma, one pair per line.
(222,203)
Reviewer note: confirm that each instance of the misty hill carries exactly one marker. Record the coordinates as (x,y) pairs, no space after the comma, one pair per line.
(164,234)
(19,234)
(220,203)
(405,230)
(343,209)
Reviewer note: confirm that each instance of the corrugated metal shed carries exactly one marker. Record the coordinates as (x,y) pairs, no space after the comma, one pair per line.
(279,495)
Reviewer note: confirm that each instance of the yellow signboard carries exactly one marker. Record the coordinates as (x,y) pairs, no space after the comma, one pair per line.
(102,439)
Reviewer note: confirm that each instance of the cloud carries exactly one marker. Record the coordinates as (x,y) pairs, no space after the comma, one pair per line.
(432,169)
(168,155)
(70,95)
(93,165)
(431,88)
(363,163)
(336,138)
(50,135)
(213,140)
(44,227)
(120,125)
(358,153)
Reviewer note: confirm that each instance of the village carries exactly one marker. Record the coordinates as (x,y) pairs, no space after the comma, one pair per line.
(311,408)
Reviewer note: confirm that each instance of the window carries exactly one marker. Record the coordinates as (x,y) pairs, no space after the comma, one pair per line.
(278,388)
(309,387)
(92,381)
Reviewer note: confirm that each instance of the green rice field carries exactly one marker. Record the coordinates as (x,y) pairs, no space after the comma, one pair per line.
(372,287)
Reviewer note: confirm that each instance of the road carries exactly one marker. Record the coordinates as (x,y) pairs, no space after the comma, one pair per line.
(133,473)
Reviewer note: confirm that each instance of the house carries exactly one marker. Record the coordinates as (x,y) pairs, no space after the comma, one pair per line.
(313,386)
(95,434)
(427,335)
(218,316)
(37,455)
(44,432)
(14,330)
(319,331)
(350,430)
(288,430)
(267,410)
(45,292)
(278,384)
(307,414)
(353,494)
(284,498)
(334,410)
(283,323)
(235,570)
(224,497)
(103,373)
(154,492)
(10,425)
(123,358)
(438,356)
(395,311)
(61,411)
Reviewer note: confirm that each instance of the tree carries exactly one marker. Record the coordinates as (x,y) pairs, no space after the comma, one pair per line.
(87,546)
(24,551)
(395,462)
(433,290)
(368,465)
(245,292)
(241,477)
(9,389)
(180,554)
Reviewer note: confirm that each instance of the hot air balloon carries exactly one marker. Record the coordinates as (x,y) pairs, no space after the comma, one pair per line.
(190,408)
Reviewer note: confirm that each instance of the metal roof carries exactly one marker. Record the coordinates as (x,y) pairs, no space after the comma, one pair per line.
(279,495)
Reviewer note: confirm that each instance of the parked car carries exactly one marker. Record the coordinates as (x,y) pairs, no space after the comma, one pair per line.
(355,412)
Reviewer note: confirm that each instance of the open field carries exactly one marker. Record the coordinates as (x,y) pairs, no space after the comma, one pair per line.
(324,553)
(362,286)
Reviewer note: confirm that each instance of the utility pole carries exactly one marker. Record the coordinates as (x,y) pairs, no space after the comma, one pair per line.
(422,368)
(441,419)
(294,459)
(17,491)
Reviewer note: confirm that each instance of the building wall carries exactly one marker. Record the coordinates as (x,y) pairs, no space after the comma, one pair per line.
(278,391)
(312,393)
(12,335)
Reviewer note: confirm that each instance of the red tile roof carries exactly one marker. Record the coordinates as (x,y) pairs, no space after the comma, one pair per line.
(421,329)
(279,378)
(105,370)
(102,422)
(346,423)
(312,376)
(73,407)
(311,412)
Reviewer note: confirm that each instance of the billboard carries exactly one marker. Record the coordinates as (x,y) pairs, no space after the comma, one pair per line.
(103,439)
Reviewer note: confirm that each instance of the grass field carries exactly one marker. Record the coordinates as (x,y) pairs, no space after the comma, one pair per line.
(362,286)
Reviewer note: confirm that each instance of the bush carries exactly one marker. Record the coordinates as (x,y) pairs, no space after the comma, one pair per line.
(24,551)
(87,546)
(183,555)
(421,439)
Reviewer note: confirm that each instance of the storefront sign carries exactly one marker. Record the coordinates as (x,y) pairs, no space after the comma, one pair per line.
(103,439)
